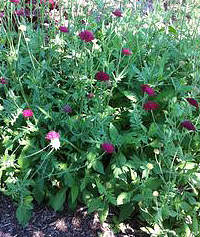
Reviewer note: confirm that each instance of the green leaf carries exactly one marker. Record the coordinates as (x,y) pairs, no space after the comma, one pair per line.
(111,199)
(130,95)
(128,138)
(187,232)
(91,155)
(152,129)
(24,161)
(195,225)
(23,215)
(136,70)
(138,198)
(101,188)
(95,205)
(58,200)
(38,190)
(113,133)
(23,212)
(74,193)
(104,213)
(172,30)
(98,166)
(153,183)
(166,94)
(69,180)
(172,213)
(47,115)
(125,211)
(120,159)
(123,198)
(185,206)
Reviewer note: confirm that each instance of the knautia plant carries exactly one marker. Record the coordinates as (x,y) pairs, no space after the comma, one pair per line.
(99,106)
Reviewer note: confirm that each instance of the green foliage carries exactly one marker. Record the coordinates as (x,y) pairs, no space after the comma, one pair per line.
(58,200)
(150,167)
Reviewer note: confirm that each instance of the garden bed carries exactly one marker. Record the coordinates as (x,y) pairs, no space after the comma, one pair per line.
(99,119)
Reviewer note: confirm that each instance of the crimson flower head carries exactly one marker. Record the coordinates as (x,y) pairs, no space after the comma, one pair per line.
(102,76)
(27,113)
(3,80)
(86,36)
(126,51)
(146,88)
(20,12)
(1,14)
(51,2)
(15,1)
(63,29)
(117,13)
(187,124)
(108,147)
(52,135)
(67,109)
(90,95)
(193,102)
(150,105)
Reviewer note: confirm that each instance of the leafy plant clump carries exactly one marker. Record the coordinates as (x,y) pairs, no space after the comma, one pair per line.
(99,106)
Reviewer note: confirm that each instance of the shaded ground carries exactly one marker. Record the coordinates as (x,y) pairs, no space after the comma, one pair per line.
(47,223)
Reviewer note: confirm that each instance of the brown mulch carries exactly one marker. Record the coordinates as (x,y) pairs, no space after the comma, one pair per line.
(45,222)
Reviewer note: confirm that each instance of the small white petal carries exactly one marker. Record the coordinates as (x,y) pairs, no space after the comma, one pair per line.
(55,143)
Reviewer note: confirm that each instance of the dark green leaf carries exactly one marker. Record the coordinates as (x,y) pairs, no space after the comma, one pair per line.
(58,200)
(74,193)
(125,211)
(98,166)
(95,205)
(104,213)
(23,212)
(38,190)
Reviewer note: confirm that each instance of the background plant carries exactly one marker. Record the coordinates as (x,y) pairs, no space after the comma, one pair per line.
(149,166)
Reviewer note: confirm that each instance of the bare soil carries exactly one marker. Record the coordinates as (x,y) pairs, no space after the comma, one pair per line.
(45,222)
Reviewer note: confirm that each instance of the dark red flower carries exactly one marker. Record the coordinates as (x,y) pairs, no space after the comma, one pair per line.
(150,105)
(187,124)
(146,88)
(20,12)
(90,95)
(3,80)
(193,102)
(126,51)
(63,29)
(1,14)
(15,1)
(27,113)
(51,2)
(102,76)
(86,36)
(67,109)
(52,135)
(117,13)
(108,147)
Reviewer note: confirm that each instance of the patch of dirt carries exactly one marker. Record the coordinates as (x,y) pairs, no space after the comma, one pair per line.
(47,223)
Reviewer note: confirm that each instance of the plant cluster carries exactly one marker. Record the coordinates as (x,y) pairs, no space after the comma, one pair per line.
(99,106)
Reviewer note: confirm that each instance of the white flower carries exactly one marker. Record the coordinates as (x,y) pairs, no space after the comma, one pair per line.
(55,143)
(149,166)
(155,193)
(22,28)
